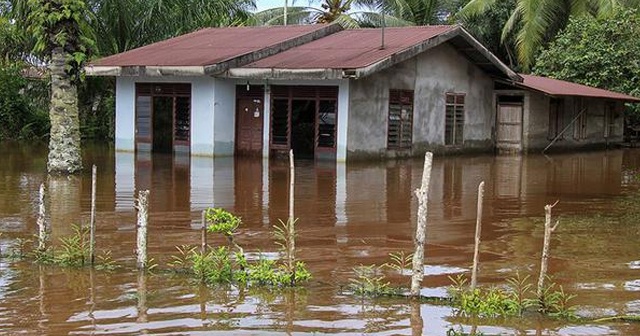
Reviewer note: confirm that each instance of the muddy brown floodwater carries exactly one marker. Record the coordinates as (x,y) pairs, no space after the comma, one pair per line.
(348,215)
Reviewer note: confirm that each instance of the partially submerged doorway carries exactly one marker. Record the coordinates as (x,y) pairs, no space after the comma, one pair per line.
(509,123)
(163,117)
(303,118)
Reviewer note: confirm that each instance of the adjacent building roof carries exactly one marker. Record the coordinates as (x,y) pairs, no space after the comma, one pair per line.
(210,50)
(556,87)
(360,52)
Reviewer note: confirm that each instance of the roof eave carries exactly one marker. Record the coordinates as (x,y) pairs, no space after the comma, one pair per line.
(289,74)
(150,71)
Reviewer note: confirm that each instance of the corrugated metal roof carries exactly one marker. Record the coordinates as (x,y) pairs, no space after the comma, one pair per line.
(207,46)
(350,49)
(556,87)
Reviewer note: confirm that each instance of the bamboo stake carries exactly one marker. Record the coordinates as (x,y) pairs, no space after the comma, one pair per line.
(548,229)
(476,249)
(291,226)
(142,298)
(143,218)
(203,247)
(417,324)
(92,222)
(42,230)
(421,228)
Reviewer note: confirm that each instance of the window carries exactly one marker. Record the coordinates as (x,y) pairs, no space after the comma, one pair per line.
(400,125)
(280,122)
(555,119)
(454,119)
(609,119)
(580,124)
(327,123)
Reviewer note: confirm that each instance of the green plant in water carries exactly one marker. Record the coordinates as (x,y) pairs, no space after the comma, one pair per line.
(460,332)
(555,303)
(519,290)
(106,262)
(400,261)
(74,248)
(370,281)
(222,221)
(181,263)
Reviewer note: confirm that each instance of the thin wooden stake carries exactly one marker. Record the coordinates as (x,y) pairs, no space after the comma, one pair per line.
(92,222)
(42,229)
(143,218)
(476,249)
(291,221)
(548,229)
(421,228)
(203,246)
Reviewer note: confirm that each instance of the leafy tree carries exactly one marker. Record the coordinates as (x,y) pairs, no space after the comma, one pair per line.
(602,53)
(535,22)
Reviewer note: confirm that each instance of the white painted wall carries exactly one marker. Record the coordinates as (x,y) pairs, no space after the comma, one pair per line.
(224,118)
(125,114)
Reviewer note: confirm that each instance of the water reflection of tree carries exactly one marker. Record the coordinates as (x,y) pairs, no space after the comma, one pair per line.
(380,314)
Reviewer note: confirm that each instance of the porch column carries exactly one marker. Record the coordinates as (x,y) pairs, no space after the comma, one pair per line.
(203,95)
(343,121)
(125,132)
(266,115)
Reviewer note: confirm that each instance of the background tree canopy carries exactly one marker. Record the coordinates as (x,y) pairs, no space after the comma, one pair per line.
(604,53)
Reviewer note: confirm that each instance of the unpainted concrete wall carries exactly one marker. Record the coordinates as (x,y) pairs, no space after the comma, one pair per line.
(431,75)
(536,130)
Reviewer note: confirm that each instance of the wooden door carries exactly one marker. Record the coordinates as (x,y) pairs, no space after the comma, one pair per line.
(509,127)
(249,126)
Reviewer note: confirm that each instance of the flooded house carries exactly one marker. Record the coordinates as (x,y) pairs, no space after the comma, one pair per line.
(338,95)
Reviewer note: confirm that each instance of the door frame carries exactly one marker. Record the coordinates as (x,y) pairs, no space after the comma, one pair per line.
(173,90)
(517,146)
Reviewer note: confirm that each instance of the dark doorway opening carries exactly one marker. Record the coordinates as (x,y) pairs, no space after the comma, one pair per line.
(163,124)
(303,128)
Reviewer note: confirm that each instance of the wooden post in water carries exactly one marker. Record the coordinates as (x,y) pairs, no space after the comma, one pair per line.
(421,228)
(292,221)
(92,222)
(143,218)
(476,249)
(548,229)
(203,246)
(42,229)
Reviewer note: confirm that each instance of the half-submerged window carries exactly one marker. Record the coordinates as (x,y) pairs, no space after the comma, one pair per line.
(280,122)
(454,119)
(327,123)
(400,127)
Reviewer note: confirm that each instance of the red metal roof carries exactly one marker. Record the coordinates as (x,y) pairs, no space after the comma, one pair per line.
(350,49)
(207,46)
(556,87)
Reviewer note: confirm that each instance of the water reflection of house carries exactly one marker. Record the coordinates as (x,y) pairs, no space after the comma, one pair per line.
(260,91)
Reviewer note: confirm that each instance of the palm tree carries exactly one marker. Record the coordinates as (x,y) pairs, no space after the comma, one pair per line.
(366,13)
(537,21)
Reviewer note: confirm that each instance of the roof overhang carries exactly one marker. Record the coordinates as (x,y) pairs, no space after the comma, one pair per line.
(459,38)
(211,69)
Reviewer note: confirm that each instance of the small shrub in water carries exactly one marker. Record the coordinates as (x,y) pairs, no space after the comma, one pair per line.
(222,221)
(369,281)
(399,261)
(75,248)
(106,262)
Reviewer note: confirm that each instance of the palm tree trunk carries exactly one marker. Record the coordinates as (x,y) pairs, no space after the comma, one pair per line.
(64,138)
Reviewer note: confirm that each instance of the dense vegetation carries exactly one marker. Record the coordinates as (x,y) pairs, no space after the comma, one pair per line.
(515,30)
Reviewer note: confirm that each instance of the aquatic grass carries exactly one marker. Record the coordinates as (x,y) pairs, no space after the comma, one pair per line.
(370,281)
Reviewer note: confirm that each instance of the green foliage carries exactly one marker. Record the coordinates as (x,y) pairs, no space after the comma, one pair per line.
(512,301)
(74,248)
(61,24)
(370,281)
(399,261)
(596,52)
(21,110)
(105,261)
(20,248)
(218,265)
(222,221)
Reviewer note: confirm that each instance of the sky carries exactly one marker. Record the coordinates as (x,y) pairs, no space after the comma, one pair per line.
(264,4)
